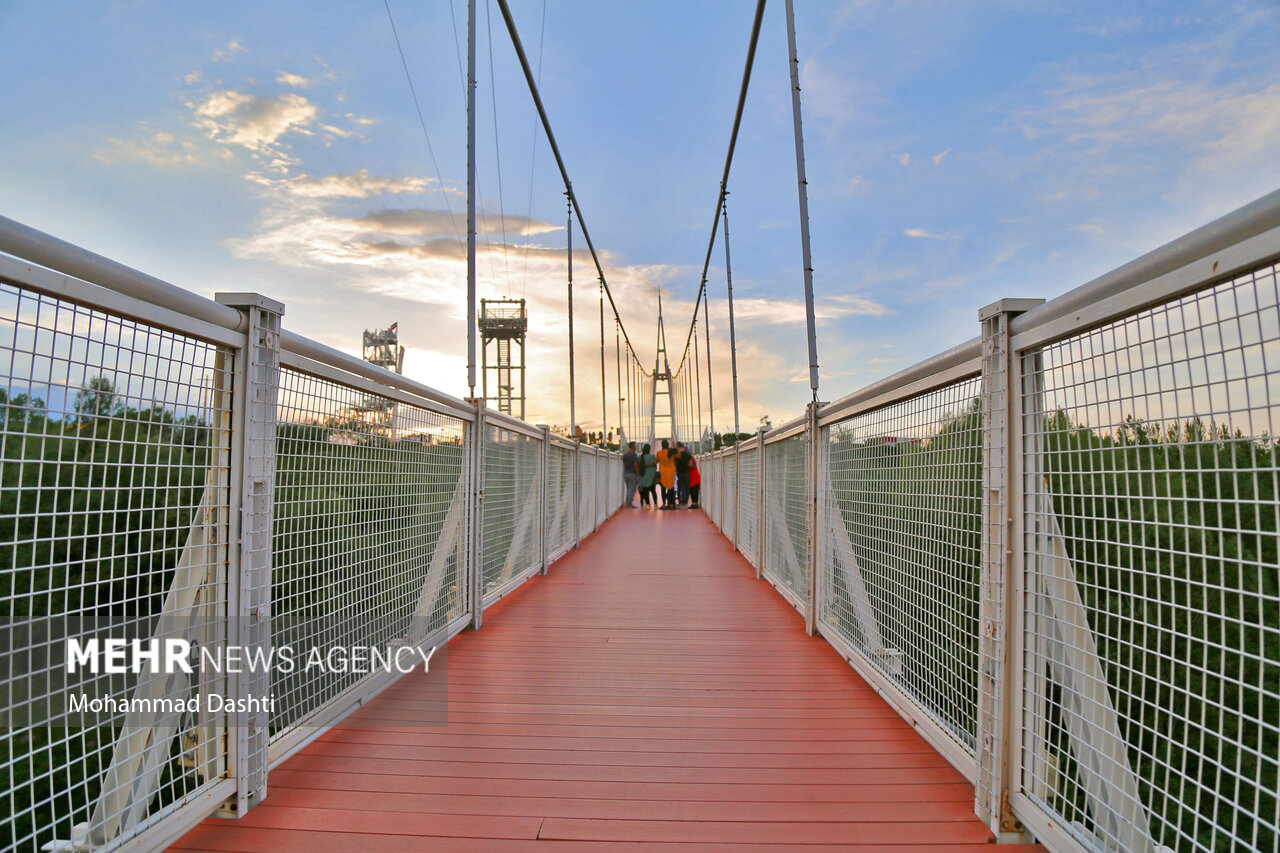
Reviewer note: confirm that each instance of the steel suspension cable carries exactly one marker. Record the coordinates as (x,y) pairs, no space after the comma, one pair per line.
(505,8)
(697,377)
(422,122)
(802,184)
(604,379)
(733,336)
(711,400)
(573,417)
(617,357)
(533,156)
(728,163)
(497,146)
(471,196)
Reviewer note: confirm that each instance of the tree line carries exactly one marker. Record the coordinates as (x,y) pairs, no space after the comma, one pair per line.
(1171,533)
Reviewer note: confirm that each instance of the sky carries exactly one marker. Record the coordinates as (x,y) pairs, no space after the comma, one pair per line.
(957,153)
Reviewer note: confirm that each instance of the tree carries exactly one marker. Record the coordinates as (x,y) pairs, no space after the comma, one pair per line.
(97,397)
(21,412)
(729,439)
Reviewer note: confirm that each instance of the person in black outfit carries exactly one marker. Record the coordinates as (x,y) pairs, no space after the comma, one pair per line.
(631,473)
(683,460)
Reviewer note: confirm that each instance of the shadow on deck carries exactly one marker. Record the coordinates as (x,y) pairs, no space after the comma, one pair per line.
(648,694)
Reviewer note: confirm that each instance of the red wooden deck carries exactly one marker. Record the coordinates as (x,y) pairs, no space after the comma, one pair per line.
(648,694)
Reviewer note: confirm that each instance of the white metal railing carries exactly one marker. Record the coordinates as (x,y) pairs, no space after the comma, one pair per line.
(1053,548)
(181,469)
(899,543)
(786,505)
(746,537)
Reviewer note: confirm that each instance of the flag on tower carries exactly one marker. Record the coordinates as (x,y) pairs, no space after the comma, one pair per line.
(393,328)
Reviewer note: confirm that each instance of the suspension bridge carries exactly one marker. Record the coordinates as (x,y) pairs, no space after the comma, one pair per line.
(1022,593)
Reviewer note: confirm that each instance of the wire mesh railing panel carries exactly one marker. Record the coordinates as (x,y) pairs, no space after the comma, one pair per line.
(619,487)
(610,475)
(716,508)
(586,492)
(730,479)
(717,514)
(709,472)
(370,521)
(604,479)
(901,543)
(510,543)
(748,503)
(717,488)
(559,499)
(786,501)
(1152,687)
(115,443)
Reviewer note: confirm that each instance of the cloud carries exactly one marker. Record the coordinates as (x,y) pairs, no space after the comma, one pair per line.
(854,182)
(257,123)
(442,248)
(422,222)
(254,121)
(778,312)
(159,148)
(858,305)
(302,231)
(338,132)
(832,95)
(940,156)
(1117,27)
(1172,110)
(359,184)
(1103,112)
(904,160)
(416,222)
(297,81)
(925,234)
(225,54)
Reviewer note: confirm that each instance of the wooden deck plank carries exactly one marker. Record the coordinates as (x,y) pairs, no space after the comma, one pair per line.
(665,792)
(882,758)
(647,695)
(228,837)
(602,808)
(742,832)
(534,739)
(938,772)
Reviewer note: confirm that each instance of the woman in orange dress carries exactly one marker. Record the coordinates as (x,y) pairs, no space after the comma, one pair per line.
(667,475)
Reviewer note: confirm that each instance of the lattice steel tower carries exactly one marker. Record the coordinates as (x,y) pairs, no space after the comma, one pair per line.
(503,323)
(382,347)
(662,379)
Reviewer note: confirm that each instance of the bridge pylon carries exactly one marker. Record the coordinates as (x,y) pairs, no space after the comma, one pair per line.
(662,388)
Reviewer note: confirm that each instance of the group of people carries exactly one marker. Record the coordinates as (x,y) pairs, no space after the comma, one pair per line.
(674,469)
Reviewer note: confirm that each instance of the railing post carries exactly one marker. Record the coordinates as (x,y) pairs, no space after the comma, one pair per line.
(813,520)
(737,492)
(595,478)
(476,526)
(545,511)
(999,734)
(723,502)
(760,492)
(577,492)
(255,387)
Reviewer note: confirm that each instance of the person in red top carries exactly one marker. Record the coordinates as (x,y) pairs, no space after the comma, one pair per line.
(695,482)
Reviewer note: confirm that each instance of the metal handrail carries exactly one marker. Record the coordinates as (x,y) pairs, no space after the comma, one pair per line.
(23,241)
